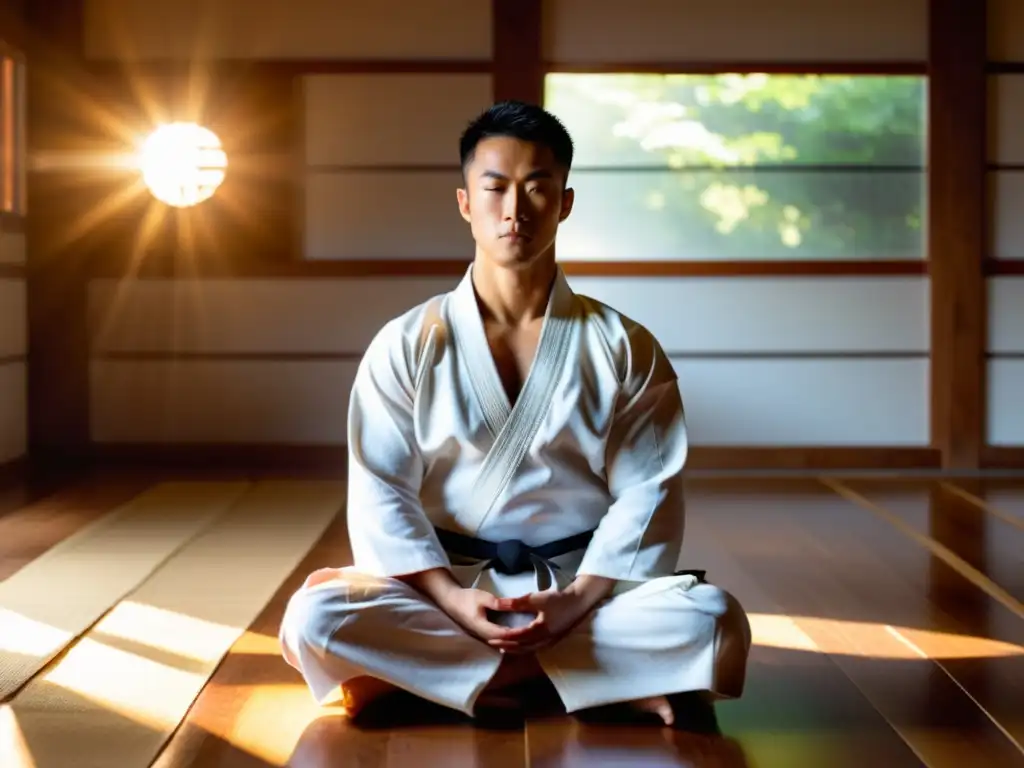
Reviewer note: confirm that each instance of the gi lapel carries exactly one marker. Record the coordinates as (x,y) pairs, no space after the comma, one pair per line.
(467,331)
(518,427)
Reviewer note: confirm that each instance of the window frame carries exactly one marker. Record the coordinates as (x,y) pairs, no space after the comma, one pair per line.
(751,267)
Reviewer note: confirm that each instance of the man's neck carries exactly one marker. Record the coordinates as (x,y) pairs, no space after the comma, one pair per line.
(513,297)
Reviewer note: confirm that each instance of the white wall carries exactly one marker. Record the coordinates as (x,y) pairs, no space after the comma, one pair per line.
(376,189)
(270,362)
(1005,402)
(580,31)
(1006,361)
(762,361)
(13,346)
(1006,154)
(575,30)
(779,361)
(790,361)
(275,29)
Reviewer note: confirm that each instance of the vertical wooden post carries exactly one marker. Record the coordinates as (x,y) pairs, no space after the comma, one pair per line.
(956,230)
(58,366)
(518,52)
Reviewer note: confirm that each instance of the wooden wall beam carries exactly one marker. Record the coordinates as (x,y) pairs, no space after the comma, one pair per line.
(956,236)
(12,23)
(57,275)
(518,53)
(244,265)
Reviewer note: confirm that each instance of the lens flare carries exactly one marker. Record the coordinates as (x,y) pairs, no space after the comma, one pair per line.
(183,164)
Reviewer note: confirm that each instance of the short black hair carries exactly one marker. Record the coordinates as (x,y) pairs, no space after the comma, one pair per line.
(518,120)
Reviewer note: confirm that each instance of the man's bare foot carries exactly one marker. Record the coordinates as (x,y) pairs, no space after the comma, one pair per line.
(358,692)
(655,705)
(689,711)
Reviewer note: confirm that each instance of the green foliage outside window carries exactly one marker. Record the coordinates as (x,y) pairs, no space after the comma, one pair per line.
(736,167)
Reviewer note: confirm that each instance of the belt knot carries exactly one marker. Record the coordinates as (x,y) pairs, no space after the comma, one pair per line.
(512,556)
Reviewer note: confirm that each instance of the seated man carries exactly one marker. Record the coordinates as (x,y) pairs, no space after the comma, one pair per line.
(515,500)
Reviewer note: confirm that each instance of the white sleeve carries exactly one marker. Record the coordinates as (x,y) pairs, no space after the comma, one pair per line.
(388,529)
(641,535)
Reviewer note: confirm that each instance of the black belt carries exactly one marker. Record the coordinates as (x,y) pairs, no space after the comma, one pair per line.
(510,556)
(513,556)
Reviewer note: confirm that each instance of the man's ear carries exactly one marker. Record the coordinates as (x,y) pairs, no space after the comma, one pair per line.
(463,198)
(568,198)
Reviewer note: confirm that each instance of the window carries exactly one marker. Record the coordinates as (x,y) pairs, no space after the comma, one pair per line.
(12,133)
(744,166)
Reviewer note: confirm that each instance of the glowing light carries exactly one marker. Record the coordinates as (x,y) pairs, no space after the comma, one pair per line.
(14,749)
(183,164)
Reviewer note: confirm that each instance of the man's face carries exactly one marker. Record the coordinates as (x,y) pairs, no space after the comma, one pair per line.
(514,200)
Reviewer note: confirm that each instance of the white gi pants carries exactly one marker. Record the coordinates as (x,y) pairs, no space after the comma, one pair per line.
(664,636)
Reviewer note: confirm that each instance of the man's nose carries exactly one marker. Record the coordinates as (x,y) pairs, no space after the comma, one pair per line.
(515,210)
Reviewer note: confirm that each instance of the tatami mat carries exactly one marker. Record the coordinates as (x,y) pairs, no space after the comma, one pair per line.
(58,596)
(122,689)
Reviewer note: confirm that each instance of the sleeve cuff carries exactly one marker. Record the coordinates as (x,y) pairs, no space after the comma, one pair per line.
(650,562)
(402,558)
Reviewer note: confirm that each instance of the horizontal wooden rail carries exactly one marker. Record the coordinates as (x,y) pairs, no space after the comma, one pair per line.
(1004,267)
(213,265)
(1005,67)
(1003,457)
(795,67)
(277,67)
(12,271)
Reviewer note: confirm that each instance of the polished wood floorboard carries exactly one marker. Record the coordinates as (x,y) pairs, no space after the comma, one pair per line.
(973,633)
(861,592)
(35,517)
(869,650)
(797,708)
(990,544)
(1002,499)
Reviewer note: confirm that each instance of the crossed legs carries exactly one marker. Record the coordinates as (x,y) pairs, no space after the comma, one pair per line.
(354,637)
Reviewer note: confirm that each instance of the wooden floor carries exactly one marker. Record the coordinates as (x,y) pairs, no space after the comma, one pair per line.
(888,618)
